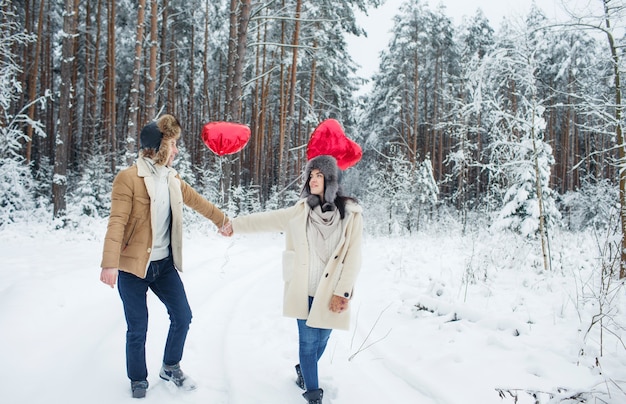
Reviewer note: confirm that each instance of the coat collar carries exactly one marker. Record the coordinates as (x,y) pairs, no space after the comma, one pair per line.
(145,168)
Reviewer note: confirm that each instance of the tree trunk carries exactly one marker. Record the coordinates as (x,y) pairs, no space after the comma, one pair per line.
(242,39)
(32,82)
(59,182)
(542,224)
(284,166)
(164,73)
(151,88)
(619,137)
(86,143)
(133,109)
(282,107)
(238,36)
(93,93)
(415,127)
(205,68)
(109,79)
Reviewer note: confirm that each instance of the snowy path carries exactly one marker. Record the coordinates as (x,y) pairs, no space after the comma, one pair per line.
(517,328)
(63,331)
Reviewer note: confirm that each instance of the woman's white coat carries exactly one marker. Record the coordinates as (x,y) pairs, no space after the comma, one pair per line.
(339,275)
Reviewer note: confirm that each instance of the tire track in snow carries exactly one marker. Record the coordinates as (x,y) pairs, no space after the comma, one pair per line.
(212,324)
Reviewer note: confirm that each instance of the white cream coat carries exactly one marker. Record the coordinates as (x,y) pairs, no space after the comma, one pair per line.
(339,275)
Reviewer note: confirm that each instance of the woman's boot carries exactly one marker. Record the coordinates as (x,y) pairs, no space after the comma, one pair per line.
(300,379)
(314,396)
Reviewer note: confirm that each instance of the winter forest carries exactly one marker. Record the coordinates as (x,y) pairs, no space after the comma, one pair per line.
(517,125)
(511,134)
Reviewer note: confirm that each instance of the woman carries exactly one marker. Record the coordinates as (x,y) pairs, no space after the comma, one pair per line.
(321,261)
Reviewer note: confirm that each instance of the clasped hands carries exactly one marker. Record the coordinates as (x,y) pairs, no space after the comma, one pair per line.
(226,230)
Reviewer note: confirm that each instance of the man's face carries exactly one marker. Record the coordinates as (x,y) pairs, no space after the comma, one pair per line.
(173,152)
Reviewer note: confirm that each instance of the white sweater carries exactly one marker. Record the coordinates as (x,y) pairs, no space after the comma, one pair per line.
(161,242)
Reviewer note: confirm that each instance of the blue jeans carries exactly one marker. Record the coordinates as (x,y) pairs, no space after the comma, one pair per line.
(163,279)
(312,343)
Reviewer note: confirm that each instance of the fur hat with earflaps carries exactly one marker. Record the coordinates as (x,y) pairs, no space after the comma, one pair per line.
(154,137)
(327,166)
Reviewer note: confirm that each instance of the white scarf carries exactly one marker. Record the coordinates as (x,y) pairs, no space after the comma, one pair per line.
(323,234)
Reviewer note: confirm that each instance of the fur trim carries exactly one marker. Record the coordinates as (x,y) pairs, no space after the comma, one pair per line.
(328,166)
(169,128)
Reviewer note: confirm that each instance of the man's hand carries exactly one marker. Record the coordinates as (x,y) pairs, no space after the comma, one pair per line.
(109,276)
(338,304)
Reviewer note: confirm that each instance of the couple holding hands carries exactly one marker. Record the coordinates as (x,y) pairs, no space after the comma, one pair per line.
(143,250)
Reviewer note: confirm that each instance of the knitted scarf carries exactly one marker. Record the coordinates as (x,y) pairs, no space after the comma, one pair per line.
(323,234)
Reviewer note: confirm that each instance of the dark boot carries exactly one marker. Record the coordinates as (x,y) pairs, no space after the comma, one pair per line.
(314,396)
(300,379)
(139,388)
(175,375)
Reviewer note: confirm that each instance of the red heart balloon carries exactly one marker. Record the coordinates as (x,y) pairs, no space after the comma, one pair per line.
(329,138)
(225,137)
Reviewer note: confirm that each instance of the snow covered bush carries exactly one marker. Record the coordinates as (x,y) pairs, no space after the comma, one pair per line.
(593,205)
(92,195)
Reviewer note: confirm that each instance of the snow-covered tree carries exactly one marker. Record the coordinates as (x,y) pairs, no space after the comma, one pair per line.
(16,182)
(182,164)
(464,121)
(519,154)
(426,189)
(522,210)
(92,194)
(399,191)
(593,205)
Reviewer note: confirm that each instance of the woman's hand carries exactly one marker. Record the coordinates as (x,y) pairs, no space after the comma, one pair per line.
(338,304)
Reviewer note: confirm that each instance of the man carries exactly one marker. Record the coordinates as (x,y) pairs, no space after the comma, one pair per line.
(143,249)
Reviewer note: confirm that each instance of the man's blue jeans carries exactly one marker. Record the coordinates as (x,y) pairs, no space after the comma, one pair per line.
(163,279)
(312,342)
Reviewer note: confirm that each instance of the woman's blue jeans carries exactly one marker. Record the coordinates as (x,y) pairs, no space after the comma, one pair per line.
(312,342)
(163,279)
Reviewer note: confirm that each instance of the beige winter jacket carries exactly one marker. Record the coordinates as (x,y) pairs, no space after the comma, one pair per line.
(128,240)
(339,275)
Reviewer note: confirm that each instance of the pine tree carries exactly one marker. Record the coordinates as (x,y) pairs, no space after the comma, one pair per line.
(518,149)
(16,181)
(92,194)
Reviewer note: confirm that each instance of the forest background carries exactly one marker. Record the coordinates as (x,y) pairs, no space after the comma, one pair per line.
(518,129)
(493,183)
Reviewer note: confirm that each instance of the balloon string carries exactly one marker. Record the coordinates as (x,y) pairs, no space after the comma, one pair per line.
(290,184)
(226,257)
(222,194)
(222,184)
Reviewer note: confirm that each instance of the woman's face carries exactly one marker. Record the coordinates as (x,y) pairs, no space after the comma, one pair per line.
(316,183)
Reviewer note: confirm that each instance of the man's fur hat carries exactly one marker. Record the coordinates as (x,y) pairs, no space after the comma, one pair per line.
(154,137)
(327,166)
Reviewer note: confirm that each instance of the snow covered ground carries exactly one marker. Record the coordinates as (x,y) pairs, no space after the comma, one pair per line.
(437,318)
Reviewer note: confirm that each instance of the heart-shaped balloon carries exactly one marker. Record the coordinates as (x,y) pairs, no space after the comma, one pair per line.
(329,138)
(225,137)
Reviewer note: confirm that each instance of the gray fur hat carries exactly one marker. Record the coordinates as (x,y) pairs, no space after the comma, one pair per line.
(328,166)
